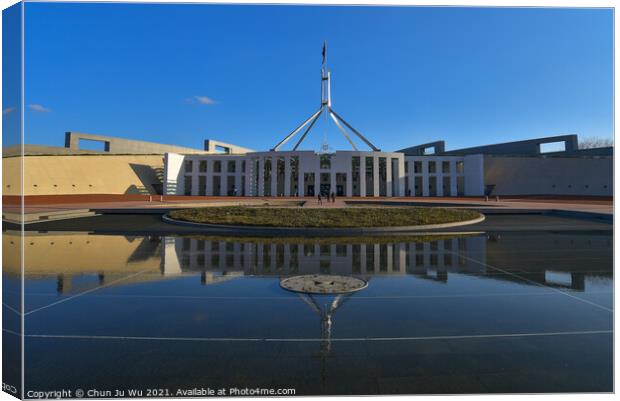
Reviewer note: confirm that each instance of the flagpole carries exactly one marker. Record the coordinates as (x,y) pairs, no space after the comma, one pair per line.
(325,84)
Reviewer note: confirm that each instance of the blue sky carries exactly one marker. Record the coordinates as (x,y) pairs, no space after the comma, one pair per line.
(249,74)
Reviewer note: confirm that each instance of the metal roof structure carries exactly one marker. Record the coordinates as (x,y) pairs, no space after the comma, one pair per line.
(326,107)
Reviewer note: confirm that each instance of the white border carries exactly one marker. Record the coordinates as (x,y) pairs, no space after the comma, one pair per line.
(481,3)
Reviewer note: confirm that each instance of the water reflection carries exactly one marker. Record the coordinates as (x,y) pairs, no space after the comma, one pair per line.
(416,328)
(82,261)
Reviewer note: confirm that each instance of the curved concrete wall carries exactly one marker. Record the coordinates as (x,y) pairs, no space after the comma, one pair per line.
(84,174)
(549,176)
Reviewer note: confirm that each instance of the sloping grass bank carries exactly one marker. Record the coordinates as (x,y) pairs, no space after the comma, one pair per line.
(328,218)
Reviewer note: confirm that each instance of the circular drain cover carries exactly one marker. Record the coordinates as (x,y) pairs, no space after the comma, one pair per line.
(323,284)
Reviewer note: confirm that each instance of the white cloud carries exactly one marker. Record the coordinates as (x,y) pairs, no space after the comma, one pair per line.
(39,108)
(8,110)
(201,100)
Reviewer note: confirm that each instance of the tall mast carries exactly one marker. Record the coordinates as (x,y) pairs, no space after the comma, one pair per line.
(326,99)
(325,109)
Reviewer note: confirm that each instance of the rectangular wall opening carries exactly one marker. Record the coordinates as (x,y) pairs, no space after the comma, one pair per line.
(446,186)
(309,184)
(417,186)
(553,147)
(92,144)
(355,175)
(294,164)
(370,182)
(432,186)
(222,149)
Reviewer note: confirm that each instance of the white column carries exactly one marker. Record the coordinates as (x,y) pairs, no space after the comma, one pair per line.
(209,178)
(222,251)
(259,256)
(272,257)
(274,175)
(287,257)
(249,176)
(363,267)
(453,179)
(236,254)
(287,176)
(300,175)
(411,176)
(388,176)
(317,175)
(238,176)
(425,178)
(194,177)
(439,184)
(401,176)
(402,258)
(362,176)
(261,176)
(349,187)
(224,180)
(332,179)
(375,176)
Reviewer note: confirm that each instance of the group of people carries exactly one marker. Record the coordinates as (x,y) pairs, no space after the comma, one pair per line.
(328,197)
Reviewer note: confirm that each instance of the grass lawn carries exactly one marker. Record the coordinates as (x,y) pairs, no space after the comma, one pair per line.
(332,218)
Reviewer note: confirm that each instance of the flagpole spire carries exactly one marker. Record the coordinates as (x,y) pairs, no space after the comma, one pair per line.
(326,98)
(325,109)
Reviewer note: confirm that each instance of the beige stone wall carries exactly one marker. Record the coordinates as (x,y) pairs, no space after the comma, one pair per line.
(83,174)
(80,253)
(549,175)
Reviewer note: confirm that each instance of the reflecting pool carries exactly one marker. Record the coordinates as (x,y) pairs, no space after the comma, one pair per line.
(501,312)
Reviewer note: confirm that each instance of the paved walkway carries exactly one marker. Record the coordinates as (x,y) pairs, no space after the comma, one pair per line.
(64,209)
(325,204)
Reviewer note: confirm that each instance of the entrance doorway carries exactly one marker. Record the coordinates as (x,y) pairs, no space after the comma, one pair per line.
(326,186)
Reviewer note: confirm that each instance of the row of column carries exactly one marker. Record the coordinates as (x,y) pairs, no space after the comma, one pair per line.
(209,174)
(252,258)
(392,189)
(184,253)
(410,176)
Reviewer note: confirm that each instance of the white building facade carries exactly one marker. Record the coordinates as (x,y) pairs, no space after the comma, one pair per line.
(307,173)
(354,173)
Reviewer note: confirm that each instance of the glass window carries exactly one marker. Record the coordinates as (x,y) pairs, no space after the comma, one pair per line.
(417,167)
(189,166)
(232,166)
(369,165)
(326,161)
(202,166)
(217,166)
(432,169)
(445,167)
(188,185)
(460,167)
(202,185)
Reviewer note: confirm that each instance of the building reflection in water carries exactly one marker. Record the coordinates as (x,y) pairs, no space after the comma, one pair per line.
(430,259)
(81,261)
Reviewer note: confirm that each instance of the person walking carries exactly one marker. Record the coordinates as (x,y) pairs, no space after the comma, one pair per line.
(320,201)
(333,197)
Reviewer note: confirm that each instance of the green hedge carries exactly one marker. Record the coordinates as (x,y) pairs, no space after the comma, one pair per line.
(333,218)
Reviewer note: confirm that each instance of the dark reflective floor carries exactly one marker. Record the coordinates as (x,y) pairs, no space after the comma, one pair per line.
(501,312)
